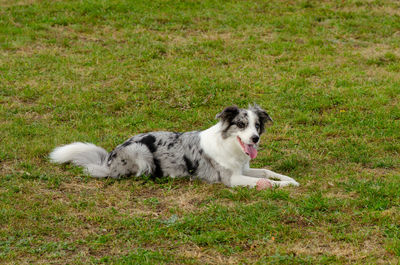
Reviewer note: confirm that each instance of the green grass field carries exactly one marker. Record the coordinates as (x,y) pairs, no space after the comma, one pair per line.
(328,73)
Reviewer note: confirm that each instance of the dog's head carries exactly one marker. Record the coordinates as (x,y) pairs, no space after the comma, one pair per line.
(246,125)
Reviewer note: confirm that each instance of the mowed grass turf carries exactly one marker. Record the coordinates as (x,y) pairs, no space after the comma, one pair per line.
(328,73)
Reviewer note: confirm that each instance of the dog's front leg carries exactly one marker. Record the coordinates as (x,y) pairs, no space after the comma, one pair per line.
(265,173)
(240,180)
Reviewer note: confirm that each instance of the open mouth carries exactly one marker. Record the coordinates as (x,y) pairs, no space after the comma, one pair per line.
(249,149)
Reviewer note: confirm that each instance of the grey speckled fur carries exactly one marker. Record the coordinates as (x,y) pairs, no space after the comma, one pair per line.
(166,154)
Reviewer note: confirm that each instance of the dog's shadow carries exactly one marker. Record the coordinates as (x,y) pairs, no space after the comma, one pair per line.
(149,180)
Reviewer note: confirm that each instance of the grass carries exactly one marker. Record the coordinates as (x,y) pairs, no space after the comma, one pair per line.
(100,71)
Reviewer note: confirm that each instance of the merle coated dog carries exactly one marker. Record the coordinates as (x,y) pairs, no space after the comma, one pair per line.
(219,154)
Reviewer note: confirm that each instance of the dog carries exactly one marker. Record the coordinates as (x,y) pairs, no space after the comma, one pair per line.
(219,154)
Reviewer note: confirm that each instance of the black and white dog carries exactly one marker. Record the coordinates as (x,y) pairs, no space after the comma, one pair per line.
(220,153)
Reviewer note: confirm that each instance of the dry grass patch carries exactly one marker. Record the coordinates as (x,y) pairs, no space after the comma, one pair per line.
(321,243)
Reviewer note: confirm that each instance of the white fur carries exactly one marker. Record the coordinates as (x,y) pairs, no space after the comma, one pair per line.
(229,154)
(79,153)
(82,154)
(143,161)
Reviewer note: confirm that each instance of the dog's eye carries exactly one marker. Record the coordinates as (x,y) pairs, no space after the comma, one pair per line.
(240,125)
(257,126)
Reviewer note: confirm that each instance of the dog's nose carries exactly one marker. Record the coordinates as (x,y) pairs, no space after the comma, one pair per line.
(255,138)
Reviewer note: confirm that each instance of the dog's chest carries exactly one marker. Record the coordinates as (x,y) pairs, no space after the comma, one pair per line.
(225,153)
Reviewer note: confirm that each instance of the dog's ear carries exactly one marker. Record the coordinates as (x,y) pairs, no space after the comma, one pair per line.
(228,114)
(262,116)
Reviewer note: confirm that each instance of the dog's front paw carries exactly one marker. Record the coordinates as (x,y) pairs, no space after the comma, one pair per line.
(295,183)
(284,183)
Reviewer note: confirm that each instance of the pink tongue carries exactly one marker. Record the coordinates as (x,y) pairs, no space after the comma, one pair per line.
(250,150)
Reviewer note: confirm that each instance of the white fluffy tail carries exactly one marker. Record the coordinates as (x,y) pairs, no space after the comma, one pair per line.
(90,156)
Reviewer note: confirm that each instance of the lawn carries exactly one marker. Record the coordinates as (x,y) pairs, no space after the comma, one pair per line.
(327,72)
